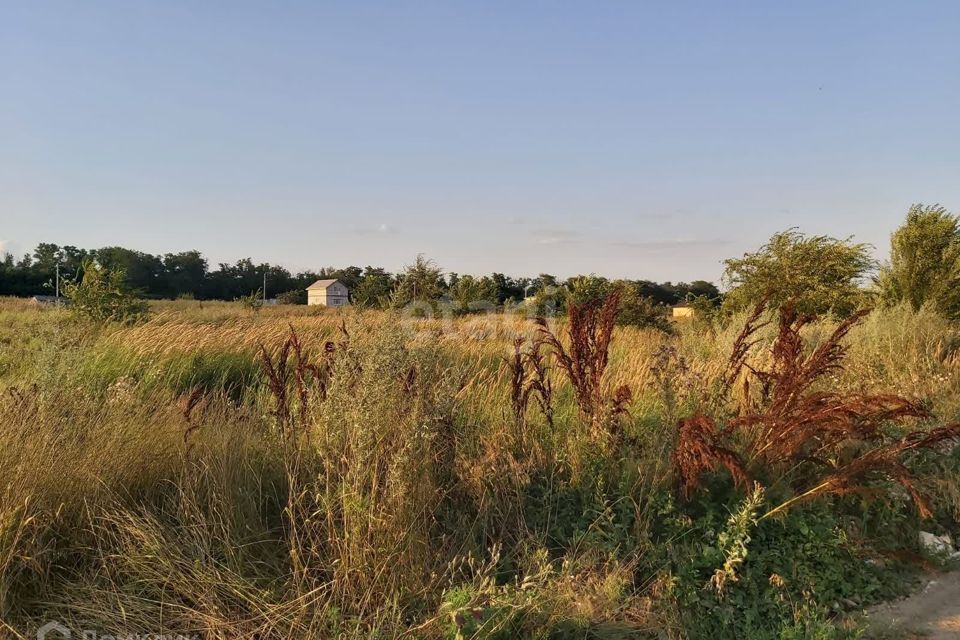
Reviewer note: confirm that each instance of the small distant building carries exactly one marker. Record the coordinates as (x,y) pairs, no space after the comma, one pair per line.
(683,310)
(328,293)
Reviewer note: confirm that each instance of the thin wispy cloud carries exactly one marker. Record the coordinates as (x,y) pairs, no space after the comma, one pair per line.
(382,229)
(556,236)
(661,215)
(660,245)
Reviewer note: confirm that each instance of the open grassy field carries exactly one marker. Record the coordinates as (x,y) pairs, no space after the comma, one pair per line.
(383,476)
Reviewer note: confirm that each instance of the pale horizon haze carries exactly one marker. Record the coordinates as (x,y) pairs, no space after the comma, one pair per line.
(643,140)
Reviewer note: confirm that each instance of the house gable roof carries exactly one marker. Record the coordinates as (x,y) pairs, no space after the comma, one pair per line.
(321,285)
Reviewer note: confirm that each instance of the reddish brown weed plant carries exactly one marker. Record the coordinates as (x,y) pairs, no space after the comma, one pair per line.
(822,441)
(518,377)
(590,330)
(530,378)
(189,404)
(700,449)
(281,376)
(538,381)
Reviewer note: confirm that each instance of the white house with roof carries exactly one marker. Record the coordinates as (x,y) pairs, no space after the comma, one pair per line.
(328,293)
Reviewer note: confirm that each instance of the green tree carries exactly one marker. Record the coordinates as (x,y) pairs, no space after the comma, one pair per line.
(142,271)
(550,300)
(924,261)
(294,296)
(543,281)
(638,310)
(101,294)
(469,293)
(184,273)
(46,256)
(349,276)
(819,274)
(421,281)
(374,289)
(507,288)
(581,289)
(700,289)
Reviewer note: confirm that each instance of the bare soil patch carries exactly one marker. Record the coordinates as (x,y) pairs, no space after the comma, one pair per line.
(933,613)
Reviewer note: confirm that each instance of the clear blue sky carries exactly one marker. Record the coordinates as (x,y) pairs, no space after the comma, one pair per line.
(634,139)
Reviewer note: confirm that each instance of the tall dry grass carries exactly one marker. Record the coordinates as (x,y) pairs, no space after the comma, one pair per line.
(397,492)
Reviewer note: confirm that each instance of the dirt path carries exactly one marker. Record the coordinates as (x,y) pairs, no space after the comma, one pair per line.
(933,613)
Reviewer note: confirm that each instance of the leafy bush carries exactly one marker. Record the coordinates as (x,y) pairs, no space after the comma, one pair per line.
(637,310)
(253,302)
(101,295)
(817,274)
(791,576)
(297,296)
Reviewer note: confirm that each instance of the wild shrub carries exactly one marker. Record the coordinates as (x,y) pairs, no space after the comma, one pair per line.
(101,295)
(252,302)
(638,310)
(732,575)
(569,599)
(681,387)
(298,296)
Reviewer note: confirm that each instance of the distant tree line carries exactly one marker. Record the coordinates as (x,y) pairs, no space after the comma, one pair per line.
(817,275)
(188,274)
